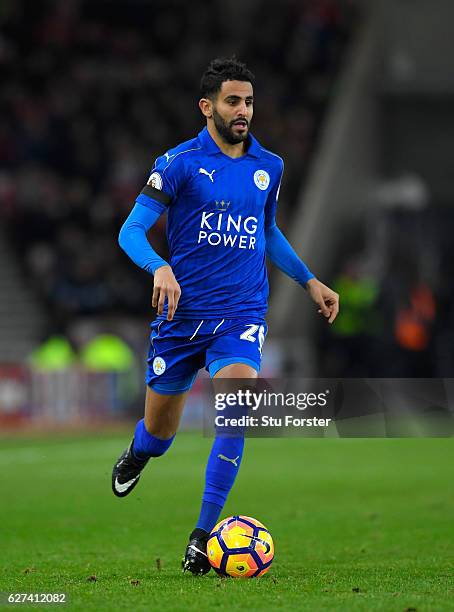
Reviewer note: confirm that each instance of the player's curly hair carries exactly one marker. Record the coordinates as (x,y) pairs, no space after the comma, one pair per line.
(223,69)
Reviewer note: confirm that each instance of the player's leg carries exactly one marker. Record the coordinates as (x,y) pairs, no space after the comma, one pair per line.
(172,367)
(237,370)
(225,456)
(222,468)
(156,431)
(152,438)
(234,355)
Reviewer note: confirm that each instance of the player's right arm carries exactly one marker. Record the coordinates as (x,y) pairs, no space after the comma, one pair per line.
(133,240)
(161,188)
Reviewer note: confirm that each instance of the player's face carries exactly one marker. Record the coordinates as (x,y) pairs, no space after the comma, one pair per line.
(233,110)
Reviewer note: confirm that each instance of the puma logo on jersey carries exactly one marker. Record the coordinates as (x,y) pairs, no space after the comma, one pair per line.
(167,156)
(209,174)
(234,461)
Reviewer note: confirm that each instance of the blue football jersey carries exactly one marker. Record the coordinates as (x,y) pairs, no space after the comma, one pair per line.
(217,210)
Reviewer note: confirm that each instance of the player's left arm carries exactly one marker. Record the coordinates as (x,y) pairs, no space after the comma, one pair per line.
(282,254)
(324,297)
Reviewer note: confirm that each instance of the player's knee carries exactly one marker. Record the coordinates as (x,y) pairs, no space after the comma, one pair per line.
(163,431)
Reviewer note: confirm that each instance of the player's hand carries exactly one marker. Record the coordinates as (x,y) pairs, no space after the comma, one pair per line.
(165,286)
(326,298)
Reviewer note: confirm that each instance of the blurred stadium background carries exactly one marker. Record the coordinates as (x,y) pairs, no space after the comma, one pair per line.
(355,96)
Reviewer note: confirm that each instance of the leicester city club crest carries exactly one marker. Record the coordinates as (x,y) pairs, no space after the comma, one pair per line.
(261,179)
(159,366)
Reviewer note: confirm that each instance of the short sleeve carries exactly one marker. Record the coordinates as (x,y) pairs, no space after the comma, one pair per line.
(273,197)
(164,183)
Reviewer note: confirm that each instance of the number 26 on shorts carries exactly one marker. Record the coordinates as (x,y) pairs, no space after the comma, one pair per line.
(250,334)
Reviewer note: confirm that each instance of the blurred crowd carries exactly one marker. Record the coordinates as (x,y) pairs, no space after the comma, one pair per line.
(397,312)
(93,91)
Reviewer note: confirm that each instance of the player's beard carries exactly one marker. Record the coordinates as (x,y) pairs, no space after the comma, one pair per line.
(225,129)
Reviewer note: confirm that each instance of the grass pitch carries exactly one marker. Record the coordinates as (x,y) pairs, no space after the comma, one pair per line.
(358,524)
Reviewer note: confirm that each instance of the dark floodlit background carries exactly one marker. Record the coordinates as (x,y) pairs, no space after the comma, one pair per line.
(355,96)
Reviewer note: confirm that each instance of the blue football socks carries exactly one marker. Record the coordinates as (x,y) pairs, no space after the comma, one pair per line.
(222,468)
(146,445)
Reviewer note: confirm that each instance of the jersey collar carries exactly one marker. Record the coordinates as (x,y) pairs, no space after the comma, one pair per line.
(212,148)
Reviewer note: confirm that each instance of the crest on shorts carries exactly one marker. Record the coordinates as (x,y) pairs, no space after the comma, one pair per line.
(155,180)
(261,179)
(159,366)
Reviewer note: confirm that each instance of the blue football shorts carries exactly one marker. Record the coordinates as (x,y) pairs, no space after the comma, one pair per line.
(180,348)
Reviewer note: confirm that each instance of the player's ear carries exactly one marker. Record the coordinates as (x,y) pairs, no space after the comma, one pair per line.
(206,106)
